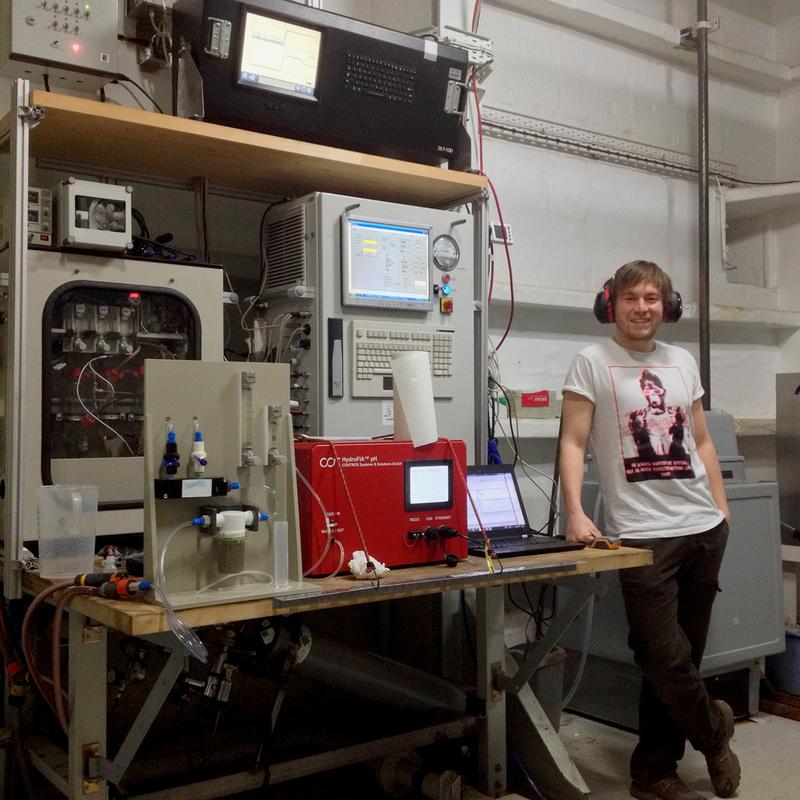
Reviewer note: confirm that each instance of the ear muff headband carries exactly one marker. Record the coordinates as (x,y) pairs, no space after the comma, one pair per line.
(604,309)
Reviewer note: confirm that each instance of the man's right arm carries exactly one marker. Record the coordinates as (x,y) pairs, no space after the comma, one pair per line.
(577,412)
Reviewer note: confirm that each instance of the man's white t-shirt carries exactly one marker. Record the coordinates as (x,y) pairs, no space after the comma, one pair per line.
(652,481)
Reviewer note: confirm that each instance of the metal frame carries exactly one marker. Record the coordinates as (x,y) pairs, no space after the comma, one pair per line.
(481,250)
(23,117)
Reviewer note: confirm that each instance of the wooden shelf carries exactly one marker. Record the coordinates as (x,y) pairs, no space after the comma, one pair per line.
(143,142)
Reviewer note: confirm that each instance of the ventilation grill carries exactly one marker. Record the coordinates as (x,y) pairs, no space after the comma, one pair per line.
(286,251)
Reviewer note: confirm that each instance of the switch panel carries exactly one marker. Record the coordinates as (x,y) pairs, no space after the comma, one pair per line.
(74,43)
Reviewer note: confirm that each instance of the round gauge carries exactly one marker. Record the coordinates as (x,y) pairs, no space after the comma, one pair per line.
(446,252)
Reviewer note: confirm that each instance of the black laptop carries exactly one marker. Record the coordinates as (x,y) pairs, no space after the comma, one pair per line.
(496,495)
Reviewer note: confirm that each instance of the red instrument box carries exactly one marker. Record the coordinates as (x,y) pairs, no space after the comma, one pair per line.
(405,497)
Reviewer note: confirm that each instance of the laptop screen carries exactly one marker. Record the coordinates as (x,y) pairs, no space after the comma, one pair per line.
(496,497)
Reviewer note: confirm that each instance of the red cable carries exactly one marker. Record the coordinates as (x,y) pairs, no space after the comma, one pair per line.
(487,545)
(479,120)
(55,644)
(352,507)
(36,677)
(476,13)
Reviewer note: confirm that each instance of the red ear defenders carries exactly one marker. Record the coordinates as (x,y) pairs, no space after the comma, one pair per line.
(604,310)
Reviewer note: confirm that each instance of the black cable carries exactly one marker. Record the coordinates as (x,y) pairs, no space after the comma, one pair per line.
(262,245)
(551,519)
(46,82)
(753,183)
(204,217)
(467,631)
(163,248)
(527,612)
(120,77)
(139,217)
(511,426)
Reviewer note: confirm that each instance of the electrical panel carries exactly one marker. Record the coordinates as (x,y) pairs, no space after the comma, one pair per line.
(350,282)
(91,322)
(74,43)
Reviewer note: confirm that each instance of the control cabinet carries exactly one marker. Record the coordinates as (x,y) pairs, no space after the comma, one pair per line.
(349,283)
(92,323)
(72,42)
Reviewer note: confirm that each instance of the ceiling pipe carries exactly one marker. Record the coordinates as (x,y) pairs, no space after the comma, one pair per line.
(702,170)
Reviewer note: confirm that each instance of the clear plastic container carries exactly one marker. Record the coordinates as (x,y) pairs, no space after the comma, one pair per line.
(280,538)
(67,518)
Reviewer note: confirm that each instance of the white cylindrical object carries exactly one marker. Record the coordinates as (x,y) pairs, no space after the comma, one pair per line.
(233,524)
(280,549)
(414,412)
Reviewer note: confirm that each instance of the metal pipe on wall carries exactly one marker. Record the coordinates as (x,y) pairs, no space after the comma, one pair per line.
(702,171)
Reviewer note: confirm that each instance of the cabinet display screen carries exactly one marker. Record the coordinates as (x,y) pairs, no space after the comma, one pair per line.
(386,265)
(279,56)
(429,485)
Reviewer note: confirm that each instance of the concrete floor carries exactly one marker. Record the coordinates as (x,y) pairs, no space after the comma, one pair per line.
(768,748)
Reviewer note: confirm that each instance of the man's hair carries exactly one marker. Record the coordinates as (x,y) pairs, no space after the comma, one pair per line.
(650,376)
(635,272)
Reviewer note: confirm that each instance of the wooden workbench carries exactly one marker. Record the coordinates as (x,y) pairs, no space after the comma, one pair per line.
(90,617)
(139,617)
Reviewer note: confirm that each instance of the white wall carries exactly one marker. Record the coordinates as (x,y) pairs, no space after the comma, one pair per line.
(576,220)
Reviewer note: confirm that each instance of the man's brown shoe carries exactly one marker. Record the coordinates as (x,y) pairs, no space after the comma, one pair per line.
(670,787)
(723,766)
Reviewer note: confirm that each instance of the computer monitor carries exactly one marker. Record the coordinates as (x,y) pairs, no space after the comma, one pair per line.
(385,264)
(279,56)
(495,492)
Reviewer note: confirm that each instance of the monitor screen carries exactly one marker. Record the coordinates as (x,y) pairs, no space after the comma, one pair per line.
(497,499)
(385,264)
(429,485)
(279,56)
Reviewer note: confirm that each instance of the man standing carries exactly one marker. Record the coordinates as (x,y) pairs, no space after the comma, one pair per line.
(662,490)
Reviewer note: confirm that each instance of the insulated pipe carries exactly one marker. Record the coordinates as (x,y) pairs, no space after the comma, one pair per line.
(702,171)
(374,677)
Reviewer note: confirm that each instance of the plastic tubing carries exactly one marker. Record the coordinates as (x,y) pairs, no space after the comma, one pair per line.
(244,573)
(341,557)
(86,408)
(161,577)
(330,541)
(185,635)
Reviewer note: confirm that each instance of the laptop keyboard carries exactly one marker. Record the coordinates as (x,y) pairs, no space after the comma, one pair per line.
(532,543)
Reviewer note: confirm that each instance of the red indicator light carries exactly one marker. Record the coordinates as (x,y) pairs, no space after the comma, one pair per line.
(77,48)
(134,296)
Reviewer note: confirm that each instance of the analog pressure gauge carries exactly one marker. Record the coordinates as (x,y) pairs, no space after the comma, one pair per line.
(446,252)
